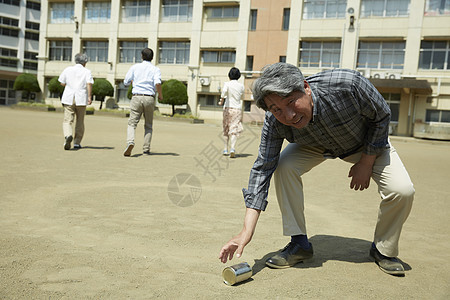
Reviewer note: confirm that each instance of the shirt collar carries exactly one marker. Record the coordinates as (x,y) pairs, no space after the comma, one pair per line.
(315,107)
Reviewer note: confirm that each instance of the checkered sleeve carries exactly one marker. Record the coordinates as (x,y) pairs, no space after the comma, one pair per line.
(266,163)
(377,113)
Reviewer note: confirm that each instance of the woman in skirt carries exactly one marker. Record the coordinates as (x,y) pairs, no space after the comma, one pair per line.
(232,92)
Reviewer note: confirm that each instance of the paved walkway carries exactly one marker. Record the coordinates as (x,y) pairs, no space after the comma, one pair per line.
(92,224)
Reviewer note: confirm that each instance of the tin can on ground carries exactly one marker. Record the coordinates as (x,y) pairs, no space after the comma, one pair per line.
(236,273)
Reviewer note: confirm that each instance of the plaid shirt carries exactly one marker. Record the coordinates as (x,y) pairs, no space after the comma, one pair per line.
(349,115)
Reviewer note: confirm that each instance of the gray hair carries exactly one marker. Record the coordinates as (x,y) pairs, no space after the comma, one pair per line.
(81,58)
(280,79)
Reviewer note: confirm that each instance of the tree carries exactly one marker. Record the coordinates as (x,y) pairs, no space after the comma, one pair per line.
(130,91)
(174,93)
(54,86)
(27,83)
(102,88)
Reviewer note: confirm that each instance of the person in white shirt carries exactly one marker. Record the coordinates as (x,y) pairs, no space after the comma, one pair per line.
(232,92)
(146,80)
(77,81)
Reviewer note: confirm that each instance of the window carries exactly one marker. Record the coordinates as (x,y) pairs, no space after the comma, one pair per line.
(11,2)
(31,36)
(222,12)
(32,32)
(324,9)
(8,52)
(434,55)
(247,105)
(249,63)
(174,52)
(28,65)
(9,22)
(130,52)
(136,11)
(437,7)
(60,50)
(9,32)
(282,59)
(320,54)
(97,51)
(34,5)
(122,91)
(30,55)
(384,8)
(436,115)
(97,12)
(61,12)
(253,17)
(8,62)
(286,18)
(210,101)
(394,104)
(32,25)
(381,55)
(176,11)
(218,56)
(7,92)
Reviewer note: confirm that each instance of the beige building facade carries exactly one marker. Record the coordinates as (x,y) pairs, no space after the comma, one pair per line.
(402,46)
(19,45)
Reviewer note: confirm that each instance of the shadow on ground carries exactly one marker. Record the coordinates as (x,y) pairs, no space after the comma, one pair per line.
(329,247)
(94,147)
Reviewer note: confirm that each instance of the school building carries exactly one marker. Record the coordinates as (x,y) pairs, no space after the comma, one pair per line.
(402,46)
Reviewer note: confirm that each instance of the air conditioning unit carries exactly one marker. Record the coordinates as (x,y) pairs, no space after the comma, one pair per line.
(378,75)
(364,72)
(394,76)
(205,81)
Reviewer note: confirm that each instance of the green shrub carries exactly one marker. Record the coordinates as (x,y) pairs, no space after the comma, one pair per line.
(174,92)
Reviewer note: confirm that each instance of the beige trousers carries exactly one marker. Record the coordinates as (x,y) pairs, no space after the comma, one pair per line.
(69,114)
(394,186)
(141,105)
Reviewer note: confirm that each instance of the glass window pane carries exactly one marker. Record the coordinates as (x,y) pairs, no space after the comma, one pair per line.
(445,116)
(432,116)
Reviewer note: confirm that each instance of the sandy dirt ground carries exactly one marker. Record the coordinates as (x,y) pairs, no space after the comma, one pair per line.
(93,224)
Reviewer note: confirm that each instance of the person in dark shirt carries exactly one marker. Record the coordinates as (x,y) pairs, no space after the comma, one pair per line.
(333,114)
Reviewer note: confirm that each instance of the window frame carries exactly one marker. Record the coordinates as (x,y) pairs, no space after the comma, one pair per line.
(178,6)
(220,54)
(65,10)
(33,5)
(137,48)
(96,48)
(385,12)
(439,111)
(173,46)
(437,11)
(62,56)
(138,18)
(96,7)
(381,55)
(286,19)
(432,52)
(253,19)
(322,54)
(212,12)
(339,12)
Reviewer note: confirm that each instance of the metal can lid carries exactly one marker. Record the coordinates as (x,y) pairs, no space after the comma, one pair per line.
(229,276)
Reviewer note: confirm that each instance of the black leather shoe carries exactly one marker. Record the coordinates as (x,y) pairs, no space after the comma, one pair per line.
(289,256)
(389,265)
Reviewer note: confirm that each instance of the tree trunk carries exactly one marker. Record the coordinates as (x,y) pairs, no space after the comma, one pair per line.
(173,110)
